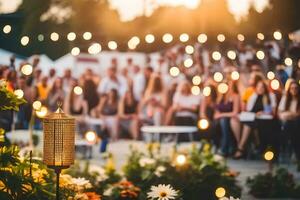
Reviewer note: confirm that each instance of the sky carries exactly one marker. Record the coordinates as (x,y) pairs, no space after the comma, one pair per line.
(130,9)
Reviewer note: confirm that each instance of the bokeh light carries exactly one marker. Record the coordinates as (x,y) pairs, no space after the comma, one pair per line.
(167,38)
(25,40)
(206,91)
(27,69)
(41,37)
(277,35)
(91,136)
(275,84)
(260,55)
(75,51)
(180,159)
(189,49)
(223,88)
(221,38)
(77,90)
(220,192)
(196,80)
(270,75)
(19,93)
(195,90)
(218,76)
(42,112)
(87,35)
(54,36)
(231,55)
(174,71)
(269,155)
(149,38)
(188,62)
(203,124)
(202,38)
(112,45)
(71,36)
(288,61)
(241,37)
(94,49)
(7,29)
(216,55)
(235,75)
(260,36)
(36,105)
(184,37)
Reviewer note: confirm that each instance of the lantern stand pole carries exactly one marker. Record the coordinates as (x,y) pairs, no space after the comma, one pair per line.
(57,171)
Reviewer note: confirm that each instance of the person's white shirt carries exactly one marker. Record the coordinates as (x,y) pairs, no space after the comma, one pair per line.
(187,101)
(108,84)
(139,84)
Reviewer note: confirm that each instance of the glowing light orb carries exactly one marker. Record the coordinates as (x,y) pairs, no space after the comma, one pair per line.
(71,36)
(260,36)
(94,49)
(24,40)
(19,93)
(196,80)
(270,75)
(235,75)
(7,29)
(223,88)
(75,51)
(260,55)
(42,112)
(288,62)
(202,38)
(221,38)
(41,37)
(26,69)
(275,85)
(195,90)
(54,36)
(181,159)
(87,35)
(277,35)
(241,37)
(231,55)
(149,38)
(206,91)
(218,76)
(203,124)
(174,71)
(188,62)
(216,55)
(167,38)
(90,136)
(189,49)
(112,45)
(184,37)
(77,90)
(36,105)
(269,155)
(220,192)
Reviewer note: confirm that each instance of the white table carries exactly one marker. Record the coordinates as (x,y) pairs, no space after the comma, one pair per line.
(156,131)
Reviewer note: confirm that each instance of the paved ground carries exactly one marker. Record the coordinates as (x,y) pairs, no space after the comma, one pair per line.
(247,168)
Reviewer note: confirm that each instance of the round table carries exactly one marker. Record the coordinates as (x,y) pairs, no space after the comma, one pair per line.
(156,131)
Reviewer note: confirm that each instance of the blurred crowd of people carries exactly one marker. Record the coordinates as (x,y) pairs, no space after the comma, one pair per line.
(250,92)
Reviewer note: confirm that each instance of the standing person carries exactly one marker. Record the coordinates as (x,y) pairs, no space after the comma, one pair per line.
(128,113)
(227,109)
(289,114)
(90,92)
(43,89)
(153,105)
(107,110)
(263,104)
(67,80)
(56,94)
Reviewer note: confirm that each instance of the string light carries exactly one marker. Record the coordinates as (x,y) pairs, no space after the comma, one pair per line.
(216,55)
(41,37)
(202,38)
(188,62)
(231,54)
(288,62)
(54,36)
(26,69)
(7,29)
(218,76)
(174,71)
(167,38)
(195,90)
(90,136)
(19,93)
(184,37)
(87,35)
(203,124)
(270,75)
(189,49)
(112,45)
(241,37)
(181,159)
(42,112)
(75,51)
(221,38)
(235,75)
(223,88)
(269,155)
(71,36)
(77,90)
(260,55)
(36,105)
(260,36)
(94,49)
(149,38)
(277,35)
(220,192)
(196,80)
(24,40)
(135,40)
(206,91)
(275,84)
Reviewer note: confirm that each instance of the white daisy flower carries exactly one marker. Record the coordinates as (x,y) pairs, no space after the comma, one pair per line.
(162,192)
(146,161)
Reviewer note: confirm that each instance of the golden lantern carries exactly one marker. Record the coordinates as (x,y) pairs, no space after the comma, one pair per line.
(59,142)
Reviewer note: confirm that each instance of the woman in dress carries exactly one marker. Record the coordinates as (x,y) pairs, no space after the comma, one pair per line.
(56,94)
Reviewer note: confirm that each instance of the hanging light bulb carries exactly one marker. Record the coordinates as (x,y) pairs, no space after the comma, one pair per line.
(221,38)
(75,51)
(202,38)
(218,76)
(71,36)
(184,37)
(174,71)
(87,35)
(149,38)
(167,38)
